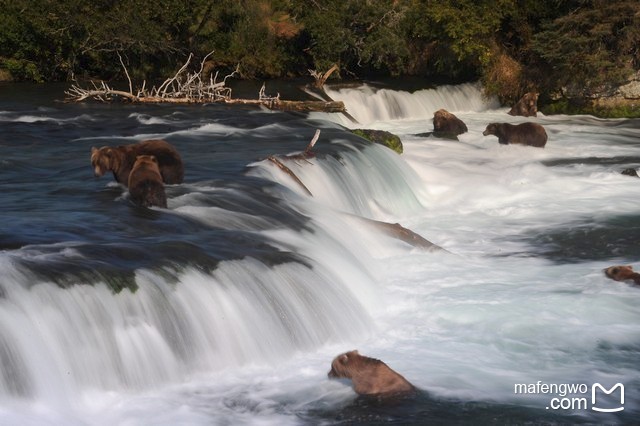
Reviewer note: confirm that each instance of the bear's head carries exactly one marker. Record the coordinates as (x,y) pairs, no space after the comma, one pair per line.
(491,129)
(104,159)
(441,117)
(619,273)
(345,365)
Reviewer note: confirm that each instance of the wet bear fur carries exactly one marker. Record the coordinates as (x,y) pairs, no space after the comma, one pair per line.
(527,106)
(622,273)
(120,160)
(145,183)
(531,134)
(369,376)
(447,125)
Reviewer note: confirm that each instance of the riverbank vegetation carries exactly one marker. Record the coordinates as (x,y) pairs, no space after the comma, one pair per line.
(572,49)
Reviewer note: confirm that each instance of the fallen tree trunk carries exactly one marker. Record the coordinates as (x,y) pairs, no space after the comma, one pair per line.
(317,89)
(299,106)
(106,95)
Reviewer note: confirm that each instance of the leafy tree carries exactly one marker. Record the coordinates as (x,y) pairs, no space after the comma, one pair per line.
(592,48)
(360,36)
(454,37)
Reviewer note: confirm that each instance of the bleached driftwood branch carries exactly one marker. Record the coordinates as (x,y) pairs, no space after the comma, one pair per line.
(185,87)
(321,78)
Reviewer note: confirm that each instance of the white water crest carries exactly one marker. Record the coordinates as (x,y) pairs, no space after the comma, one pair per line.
(369,105)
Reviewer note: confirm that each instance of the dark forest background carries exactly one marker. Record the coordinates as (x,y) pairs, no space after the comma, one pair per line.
(512,46)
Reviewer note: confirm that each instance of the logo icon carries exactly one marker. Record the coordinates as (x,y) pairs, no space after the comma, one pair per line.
(596,386)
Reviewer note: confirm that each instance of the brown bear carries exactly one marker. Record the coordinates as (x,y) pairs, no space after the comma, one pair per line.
(622,273)
(447,125)
(369,376)
(120,160)
(527,106)
(145,183)
(531,134)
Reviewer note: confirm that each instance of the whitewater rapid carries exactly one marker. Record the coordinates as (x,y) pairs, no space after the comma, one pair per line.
(517,296)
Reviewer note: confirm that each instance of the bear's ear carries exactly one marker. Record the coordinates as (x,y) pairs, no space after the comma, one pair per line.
(343,359)
(93,150)
(630,267)
(354,353)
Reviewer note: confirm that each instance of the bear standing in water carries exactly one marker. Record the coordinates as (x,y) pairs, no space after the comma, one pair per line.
(145,183)
(120,160)
(622,273)
(447,125)
(531,134)
(369,376)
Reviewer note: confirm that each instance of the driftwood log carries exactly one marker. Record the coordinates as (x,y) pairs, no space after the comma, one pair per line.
(317,89)
(194,88)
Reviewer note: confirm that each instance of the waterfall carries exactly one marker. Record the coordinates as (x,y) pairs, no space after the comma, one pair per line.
(368,105)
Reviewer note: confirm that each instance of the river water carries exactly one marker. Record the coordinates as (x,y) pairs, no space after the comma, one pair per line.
(228,307)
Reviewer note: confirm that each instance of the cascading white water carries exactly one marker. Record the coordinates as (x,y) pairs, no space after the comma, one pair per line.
(369,105)
(251,341)
(244,311)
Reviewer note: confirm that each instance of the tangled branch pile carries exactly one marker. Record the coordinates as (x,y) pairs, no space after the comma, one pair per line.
(181,88)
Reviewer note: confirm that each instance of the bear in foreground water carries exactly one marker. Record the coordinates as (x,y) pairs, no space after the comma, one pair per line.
(369,376)
(145,183)
(531,134)
(622,273)
(120,160)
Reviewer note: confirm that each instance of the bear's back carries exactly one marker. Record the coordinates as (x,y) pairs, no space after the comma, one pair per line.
(169,160)
(145,183)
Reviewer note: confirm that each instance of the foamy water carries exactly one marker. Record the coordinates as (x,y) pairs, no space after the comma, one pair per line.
(517,297)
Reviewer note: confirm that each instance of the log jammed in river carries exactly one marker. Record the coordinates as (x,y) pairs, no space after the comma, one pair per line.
(192,88)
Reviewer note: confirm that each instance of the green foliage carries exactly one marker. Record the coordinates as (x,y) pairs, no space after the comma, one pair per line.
(513,46)
(591,48)
(454,35)
(579,106)
(360,36)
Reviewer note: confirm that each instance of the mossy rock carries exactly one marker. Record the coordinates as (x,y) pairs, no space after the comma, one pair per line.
(598,108)
(381,137)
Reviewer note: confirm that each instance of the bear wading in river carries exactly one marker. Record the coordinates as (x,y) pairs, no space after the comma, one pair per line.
(531,134)
(622,273)
(447,125)
(145,183)
(369,376)
(120,160)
